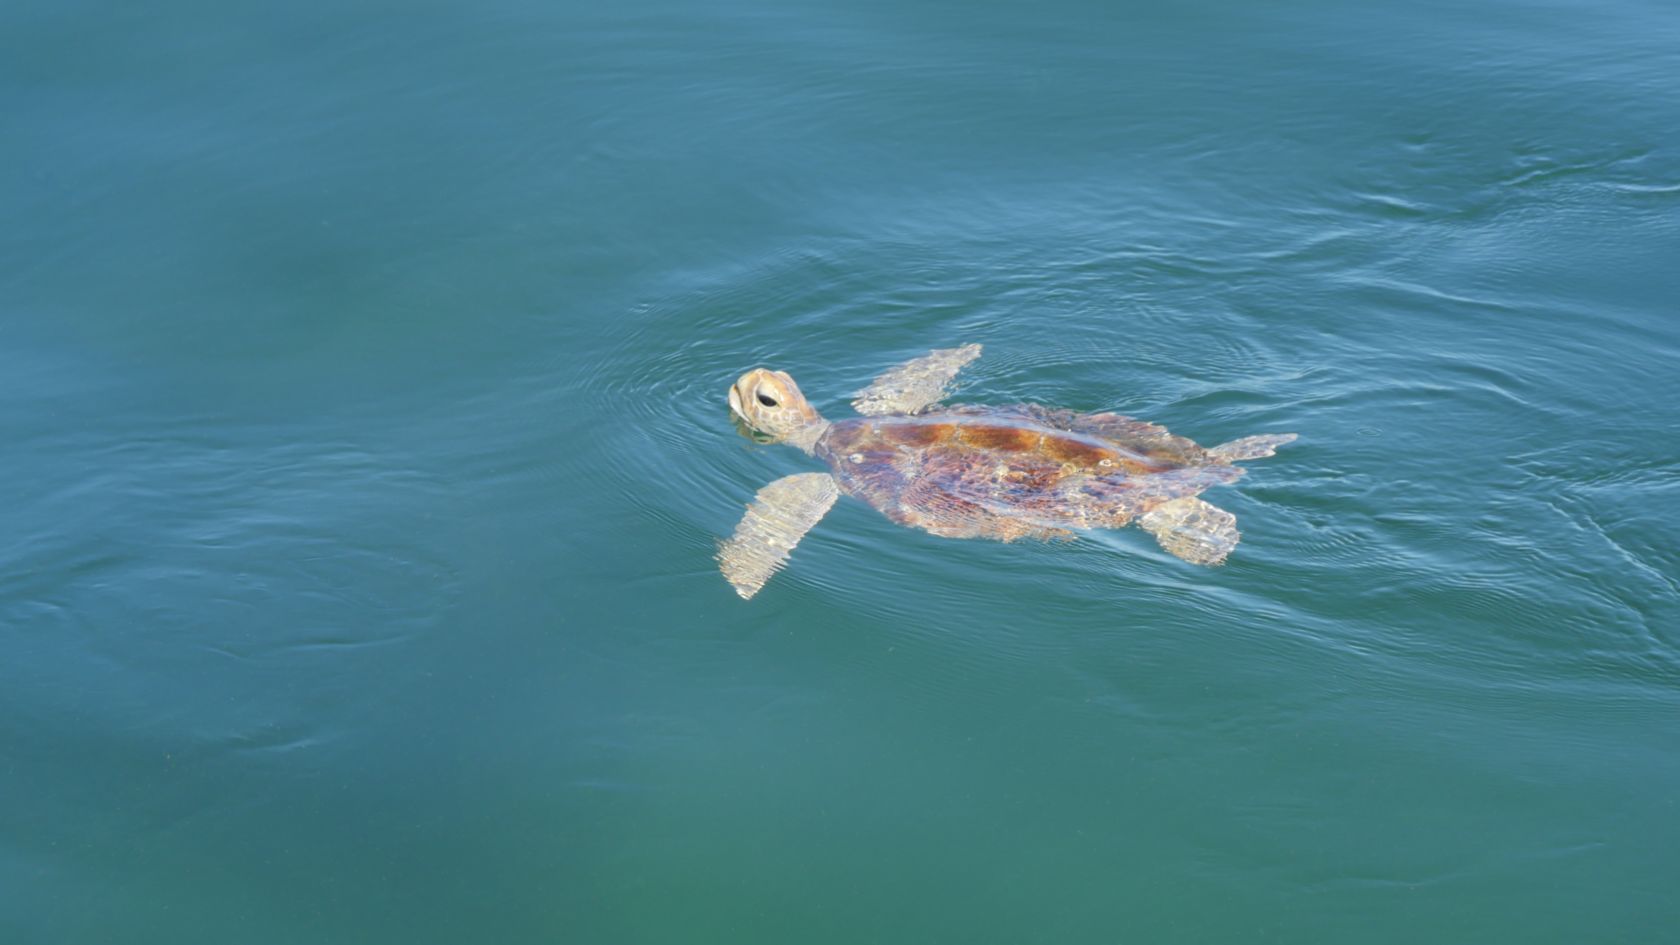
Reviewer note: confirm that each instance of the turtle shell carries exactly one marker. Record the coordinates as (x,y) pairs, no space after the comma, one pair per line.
(1020,471)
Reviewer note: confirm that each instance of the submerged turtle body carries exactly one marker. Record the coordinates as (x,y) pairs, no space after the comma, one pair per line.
(1015,472)
(1003,473)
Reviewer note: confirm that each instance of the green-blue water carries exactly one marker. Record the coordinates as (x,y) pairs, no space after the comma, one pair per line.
(362,372)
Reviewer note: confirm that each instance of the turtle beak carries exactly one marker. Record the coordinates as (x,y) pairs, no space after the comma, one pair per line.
(735,402)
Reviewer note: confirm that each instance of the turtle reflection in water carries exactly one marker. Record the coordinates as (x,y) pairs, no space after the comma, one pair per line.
(1019,471)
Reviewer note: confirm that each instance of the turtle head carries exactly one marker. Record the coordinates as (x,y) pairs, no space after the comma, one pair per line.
(770,405)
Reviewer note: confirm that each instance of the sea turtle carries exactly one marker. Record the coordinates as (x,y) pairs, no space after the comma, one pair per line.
(1020,471)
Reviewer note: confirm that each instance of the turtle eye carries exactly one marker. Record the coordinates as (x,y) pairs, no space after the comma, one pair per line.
(766,399)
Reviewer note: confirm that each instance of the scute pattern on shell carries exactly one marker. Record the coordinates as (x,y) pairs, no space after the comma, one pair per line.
(1019,471)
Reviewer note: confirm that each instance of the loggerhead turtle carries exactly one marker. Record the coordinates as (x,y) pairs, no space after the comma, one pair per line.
(1019,471)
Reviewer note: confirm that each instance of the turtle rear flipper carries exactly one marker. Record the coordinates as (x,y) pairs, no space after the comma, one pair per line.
(778,517)
(1251,447)
(1192,529)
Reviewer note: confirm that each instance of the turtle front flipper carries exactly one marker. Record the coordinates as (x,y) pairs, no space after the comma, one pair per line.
(914,385)
(778,517)
(1192,529)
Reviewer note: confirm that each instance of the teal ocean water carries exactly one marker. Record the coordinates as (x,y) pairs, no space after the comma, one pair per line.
(362,378)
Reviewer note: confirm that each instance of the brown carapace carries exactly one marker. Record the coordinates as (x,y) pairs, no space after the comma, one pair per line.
(1018,471)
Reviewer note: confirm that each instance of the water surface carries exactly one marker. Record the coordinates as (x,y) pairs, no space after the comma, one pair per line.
(362,370)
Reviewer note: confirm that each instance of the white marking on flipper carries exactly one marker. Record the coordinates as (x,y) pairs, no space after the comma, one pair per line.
(1192,529)
(915,384)
(780,514)
(1251,447)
